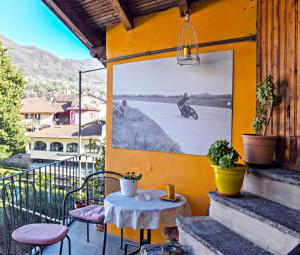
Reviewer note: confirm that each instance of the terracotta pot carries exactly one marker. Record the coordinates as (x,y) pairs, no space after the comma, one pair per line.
(82,203)
(259,150)
(100,227)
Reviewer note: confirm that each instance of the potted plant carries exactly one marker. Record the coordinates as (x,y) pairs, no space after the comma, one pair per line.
(229,175)
(129,184)
(82,203)
(259,148)
(79,202)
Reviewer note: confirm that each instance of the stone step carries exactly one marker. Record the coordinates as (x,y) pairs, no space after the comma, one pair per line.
(278,185)
(206,236)
(270,225)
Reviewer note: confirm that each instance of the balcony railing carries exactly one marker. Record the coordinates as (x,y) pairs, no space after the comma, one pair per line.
(52,182)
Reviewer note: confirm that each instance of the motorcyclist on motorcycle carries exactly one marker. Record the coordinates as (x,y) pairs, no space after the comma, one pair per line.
(183,100)
(185,109)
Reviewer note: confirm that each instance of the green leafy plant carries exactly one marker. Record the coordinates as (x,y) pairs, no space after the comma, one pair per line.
(12,83)
(222,154)
(93,147)
(100,161)
(132,176)
(267,100)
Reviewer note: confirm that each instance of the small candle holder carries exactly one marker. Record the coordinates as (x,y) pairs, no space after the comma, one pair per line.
(170,191)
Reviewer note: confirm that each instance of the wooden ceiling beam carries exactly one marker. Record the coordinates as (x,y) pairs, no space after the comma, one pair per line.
(122,13)
(183,5)
(73,21)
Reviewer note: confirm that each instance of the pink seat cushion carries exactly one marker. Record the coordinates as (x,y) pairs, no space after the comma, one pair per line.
(91,213)
(40,234)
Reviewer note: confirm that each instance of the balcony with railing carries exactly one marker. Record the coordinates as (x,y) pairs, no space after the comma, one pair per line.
(51,183)
(37,196)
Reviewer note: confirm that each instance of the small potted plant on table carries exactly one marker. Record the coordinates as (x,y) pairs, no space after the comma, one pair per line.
(229,175)
(259,148)
(129,184)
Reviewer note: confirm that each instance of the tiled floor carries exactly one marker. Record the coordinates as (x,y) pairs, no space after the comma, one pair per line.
(80,245)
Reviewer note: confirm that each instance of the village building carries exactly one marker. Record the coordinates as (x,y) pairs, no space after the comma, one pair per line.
(37,113)
(67,109)
(61,141)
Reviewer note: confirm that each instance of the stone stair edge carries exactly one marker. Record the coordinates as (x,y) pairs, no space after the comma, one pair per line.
(182,223)
(277,174)
(229,202)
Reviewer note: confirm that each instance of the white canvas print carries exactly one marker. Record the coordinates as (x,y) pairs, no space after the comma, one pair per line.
(161,106)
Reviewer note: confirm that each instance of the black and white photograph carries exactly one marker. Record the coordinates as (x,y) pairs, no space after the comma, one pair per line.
(159,105)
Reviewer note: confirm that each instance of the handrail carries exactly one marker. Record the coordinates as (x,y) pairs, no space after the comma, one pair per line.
(34,169)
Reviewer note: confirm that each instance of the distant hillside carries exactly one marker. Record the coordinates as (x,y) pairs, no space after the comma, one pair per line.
(48,75)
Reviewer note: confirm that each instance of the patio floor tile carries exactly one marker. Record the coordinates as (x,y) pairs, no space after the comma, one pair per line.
(81,247)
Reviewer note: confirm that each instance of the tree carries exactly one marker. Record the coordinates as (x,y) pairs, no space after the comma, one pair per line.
(12,83)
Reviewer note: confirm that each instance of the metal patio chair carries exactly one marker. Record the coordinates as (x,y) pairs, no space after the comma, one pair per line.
(94,188)
(19,204)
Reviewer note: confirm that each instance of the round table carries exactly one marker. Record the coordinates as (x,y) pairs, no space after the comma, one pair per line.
(128,212)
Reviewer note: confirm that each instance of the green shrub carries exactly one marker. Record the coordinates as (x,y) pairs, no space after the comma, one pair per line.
(221,154)
(267,100)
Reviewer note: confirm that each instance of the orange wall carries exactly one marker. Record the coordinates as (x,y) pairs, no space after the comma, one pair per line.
(214,20)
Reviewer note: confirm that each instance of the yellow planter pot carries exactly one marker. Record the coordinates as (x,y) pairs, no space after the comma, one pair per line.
(229,181)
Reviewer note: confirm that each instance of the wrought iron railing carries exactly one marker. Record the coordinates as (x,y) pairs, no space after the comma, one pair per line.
(52,182)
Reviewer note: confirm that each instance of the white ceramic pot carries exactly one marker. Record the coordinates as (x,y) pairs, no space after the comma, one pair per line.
(128,187)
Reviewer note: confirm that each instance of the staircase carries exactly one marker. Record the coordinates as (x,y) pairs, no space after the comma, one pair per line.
(264,220)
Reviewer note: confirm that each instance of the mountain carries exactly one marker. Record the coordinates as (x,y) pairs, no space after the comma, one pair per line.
(45,71)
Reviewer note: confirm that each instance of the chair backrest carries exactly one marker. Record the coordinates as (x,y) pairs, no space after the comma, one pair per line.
(112,184)
(93,190)
(100,184)
(18,201)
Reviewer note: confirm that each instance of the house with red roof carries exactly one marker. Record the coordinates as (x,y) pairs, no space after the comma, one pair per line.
(67,110)
(37,113)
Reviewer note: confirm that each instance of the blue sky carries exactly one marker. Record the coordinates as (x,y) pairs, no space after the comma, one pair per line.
(30,22)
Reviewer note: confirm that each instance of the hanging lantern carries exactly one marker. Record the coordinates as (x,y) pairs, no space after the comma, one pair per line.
(187,48)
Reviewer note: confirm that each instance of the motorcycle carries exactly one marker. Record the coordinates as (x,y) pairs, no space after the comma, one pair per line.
(187,111)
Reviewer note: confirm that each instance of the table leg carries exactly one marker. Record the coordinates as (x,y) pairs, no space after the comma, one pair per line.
(141,236)
(142,242)
(149,236)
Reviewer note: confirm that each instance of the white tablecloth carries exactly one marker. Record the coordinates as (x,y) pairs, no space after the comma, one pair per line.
(128,212)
